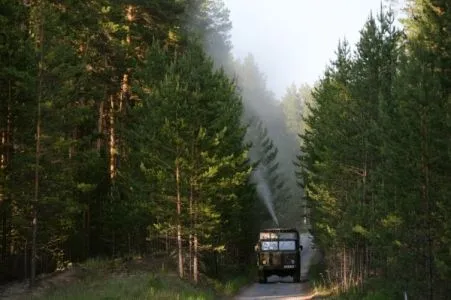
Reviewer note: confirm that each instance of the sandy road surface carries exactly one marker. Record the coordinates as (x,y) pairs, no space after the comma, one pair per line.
(276,288)
(283,288)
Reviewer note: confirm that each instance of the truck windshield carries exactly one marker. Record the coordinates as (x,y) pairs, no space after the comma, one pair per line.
(270,245)
(287,245)
(278,245)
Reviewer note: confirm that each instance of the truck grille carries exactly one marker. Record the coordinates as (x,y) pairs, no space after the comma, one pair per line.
(276,259)
(290,258)
(271,258)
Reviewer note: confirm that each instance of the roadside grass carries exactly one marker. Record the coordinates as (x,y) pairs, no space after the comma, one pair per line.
(119,279)
(136,286)
(231,286)
(358,295)
(321,285)
(374,289)
(232,281)
(324,288)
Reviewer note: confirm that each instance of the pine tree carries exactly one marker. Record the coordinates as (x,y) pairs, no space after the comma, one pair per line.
(373,148)
(332,174)
(209,21)
(198,137)
(293,107)
(266,177)
(424,106)
(17,108)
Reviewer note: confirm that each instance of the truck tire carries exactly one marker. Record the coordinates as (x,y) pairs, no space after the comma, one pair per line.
(296,277)
(262,277)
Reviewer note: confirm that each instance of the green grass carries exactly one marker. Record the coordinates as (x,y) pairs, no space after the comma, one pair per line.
(318,277)
(116,279)
(231,284)
(324,288)
(374,289)
(136,286)
(355,294)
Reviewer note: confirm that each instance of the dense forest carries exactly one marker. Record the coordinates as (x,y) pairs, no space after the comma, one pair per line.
(376,156)
(126,129)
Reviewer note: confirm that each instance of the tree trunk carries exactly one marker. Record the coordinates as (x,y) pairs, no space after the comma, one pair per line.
(193,214)
(87,237)
(5,147)
(3,163)
(125,77)
(112,139)
(179,218)
(25,260)
(345,275)
(5,235)
(37,156)
(129,244)
(166,243)
(427,204)
(191,261)
(100,126)
(195,259)
(72,151)
(196,243)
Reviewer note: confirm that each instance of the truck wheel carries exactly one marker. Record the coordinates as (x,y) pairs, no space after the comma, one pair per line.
(262,277)
(296,277)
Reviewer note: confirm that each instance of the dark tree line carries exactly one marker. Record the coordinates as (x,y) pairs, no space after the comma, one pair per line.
(119,136)
(376,161)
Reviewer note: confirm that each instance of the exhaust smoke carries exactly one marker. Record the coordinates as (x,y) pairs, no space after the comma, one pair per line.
(264,192)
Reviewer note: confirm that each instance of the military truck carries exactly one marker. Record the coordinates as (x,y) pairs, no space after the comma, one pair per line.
(278,253)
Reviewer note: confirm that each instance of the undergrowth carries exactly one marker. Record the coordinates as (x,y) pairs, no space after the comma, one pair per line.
(374,289)
(116,279)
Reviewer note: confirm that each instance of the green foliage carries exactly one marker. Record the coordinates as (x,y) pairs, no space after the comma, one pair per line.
(264,155)
(135,278)
(374,156)
(209,21)
(126,95)
(139,286)
(295,108)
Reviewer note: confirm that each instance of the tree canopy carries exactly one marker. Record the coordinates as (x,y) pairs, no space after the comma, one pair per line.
(376,164)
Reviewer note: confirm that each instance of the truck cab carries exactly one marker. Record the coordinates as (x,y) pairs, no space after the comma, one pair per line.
(278,253)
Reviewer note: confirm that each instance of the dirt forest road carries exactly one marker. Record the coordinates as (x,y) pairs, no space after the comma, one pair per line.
(284,288)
